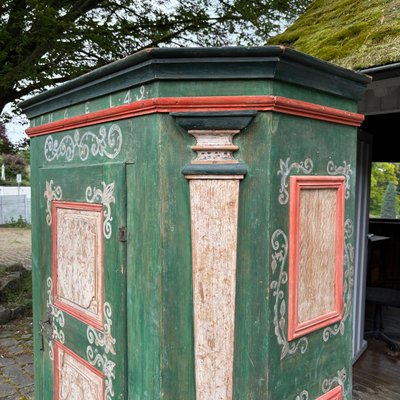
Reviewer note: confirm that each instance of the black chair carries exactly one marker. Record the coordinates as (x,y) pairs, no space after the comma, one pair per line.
(382,297)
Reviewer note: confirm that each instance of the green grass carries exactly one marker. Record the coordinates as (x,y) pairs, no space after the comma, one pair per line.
(19,223)
(352,34)
(18,291)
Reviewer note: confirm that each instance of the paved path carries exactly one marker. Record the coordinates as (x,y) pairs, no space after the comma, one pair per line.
(16,358)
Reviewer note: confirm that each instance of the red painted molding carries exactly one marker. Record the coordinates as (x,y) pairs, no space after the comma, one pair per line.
(297,184)
(334,394)
(58,302)
(193,104)
(57,347)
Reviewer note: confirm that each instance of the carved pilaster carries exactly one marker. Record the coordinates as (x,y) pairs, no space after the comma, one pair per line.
(214,177)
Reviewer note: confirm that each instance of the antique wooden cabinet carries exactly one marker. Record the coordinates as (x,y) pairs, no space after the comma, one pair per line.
(193,214)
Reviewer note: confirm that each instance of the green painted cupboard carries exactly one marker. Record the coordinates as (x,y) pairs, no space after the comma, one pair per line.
(192,227)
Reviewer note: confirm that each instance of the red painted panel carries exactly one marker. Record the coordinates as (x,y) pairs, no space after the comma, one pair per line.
(93,320)
(298,328)
(58,348)
(212,103)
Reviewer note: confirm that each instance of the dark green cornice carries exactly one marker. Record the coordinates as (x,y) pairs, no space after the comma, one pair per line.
(226,120)
(215,169)
(201,64)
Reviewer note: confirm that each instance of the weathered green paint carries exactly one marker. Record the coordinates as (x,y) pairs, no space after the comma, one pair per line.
(74,181)
(148,279)
(255,87)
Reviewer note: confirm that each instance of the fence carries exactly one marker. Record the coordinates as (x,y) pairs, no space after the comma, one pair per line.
(13,207)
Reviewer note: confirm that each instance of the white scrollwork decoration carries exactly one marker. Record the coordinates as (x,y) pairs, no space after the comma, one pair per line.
(345,170)
(280,246)
(338,380)
(106,197)
(51,194)
(302,396)
(348,263)
(57,320)
(103,143)
(305,166)
(101,344)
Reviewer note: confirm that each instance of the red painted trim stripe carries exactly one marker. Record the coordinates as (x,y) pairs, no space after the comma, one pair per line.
(297,184)
(334,394)
(193,104)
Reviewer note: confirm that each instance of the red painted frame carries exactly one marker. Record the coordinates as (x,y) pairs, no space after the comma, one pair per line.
(57,346)
(95,322)
(297,184)
(212,103)
(334,394)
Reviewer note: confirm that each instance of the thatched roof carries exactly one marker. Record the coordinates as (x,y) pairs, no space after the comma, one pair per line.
(354,34)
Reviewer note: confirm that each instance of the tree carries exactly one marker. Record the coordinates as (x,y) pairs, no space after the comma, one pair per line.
(15,159)
(5,144)
(44,43)
(381,174)
(388,209)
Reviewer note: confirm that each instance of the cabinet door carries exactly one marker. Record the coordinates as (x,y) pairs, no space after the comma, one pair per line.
(79,283)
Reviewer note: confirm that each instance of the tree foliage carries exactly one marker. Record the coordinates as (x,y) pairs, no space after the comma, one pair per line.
(388,209)
(382,174)
(5,144)
(15,158)
(43,43)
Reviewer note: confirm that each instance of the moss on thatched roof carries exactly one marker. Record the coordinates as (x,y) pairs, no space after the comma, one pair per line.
(354,34)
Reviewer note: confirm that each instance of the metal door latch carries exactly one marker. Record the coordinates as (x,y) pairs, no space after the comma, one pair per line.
(46,328)
(122,234)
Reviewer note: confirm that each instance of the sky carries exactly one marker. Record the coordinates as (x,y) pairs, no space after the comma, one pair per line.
(16,128)
(15,132)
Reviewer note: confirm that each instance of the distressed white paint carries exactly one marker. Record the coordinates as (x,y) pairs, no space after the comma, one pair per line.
(79,261)
(285,168)
(101,344)
(214,146)
(214,209)
(317,253)
(51,194)
(279,243)
(106,197)
(75,380)
(83,145)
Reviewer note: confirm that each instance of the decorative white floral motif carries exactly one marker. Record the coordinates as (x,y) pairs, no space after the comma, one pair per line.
(105,342)
(89,143)
(341,170)
(330,383)
(280,246)
(305,166)
(302,396)
(348,263)
(106,197)
(51,194)
(56,319)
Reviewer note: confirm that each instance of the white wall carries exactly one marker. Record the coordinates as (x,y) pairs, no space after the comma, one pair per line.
(15,191)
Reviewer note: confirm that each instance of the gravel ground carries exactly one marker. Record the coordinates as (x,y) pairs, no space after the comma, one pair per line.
(15,247)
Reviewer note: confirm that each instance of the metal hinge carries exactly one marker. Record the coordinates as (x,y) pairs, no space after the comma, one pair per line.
(122,234)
